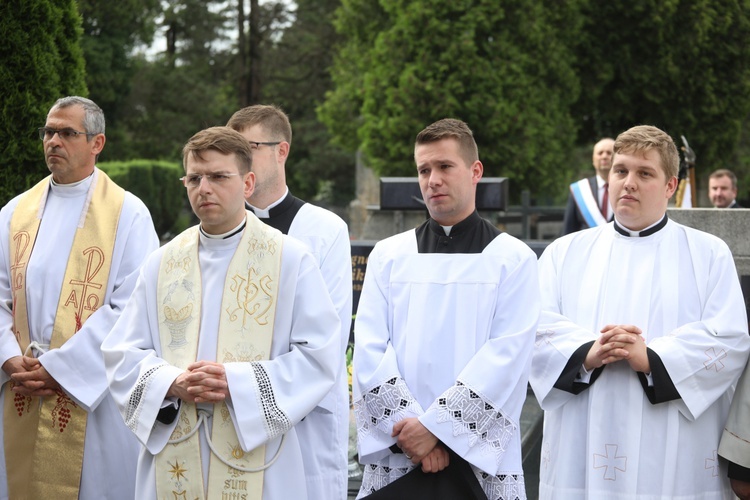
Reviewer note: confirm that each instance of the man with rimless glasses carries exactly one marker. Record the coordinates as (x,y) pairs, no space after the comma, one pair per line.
(70,251)
(228,341)
(324,433)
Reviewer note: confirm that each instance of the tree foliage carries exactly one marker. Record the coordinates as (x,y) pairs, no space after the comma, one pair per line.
(504,69)
(111,31)
(687,71)
(156,184)
(298,81)
(41,62)
(183,90)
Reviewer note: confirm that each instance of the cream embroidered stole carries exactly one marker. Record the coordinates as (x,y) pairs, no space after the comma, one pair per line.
(44,437)
(245,333)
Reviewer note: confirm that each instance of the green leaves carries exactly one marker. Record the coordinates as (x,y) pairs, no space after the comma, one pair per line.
(41,62)
(504,69)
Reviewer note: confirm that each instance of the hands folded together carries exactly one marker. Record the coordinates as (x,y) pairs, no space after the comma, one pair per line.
(619,342)
(420,445)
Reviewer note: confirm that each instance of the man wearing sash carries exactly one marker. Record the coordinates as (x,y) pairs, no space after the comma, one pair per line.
(588,204)
(229,340)
(70,249)
(642,336)
(444,333)
(324,433)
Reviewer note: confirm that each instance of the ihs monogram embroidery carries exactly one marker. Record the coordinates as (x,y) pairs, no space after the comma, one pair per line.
(252,297)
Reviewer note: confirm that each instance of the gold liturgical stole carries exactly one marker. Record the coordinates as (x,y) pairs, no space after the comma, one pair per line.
(44,437)
(248,307)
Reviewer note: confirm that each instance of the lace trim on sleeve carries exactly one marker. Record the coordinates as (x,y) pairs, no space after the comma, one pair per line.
(383,405)
(472,415)
(377,476)
(502,486)
(275,420)
(135,406)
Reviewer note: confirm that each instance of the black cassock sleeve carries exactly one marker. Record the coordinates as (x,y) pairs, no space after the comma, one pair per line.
(663,389)
(569,380)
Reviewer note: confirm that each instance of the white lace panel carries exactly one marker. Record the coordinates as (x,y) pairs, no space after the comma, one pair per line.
(502,486)
(383,405)
(274,419)
(136,397)
(477,418)
(376,476)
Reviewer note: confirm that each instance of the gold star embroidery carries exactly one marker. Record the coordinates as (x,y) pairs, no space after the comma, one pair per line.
(177,470)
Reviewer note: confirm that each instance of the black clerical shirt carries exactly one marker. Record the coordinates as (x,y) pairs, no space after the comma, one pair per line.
(471,235)
(282,215)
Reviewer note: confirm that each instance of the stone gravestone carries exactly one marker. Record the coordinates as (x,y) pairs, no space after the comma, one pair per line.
(732,226)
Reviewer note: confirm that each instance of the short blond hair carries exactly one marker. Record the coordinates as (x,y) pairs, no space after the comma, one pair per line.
(272,118)
(225,141)
(643,138)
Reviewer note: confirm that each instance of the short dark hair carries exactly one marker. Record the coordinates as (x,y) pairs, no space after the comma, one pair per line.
(225,141)
(272,118)
(723,172)
(450,128)
(643,138)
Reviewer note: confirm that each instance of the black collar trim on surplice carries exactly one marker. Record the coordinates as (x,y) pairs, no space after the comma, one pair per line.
(645,232)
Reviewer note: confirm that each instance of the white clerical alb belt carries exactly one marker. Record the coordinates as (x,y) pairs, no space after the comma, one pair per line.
(646,232)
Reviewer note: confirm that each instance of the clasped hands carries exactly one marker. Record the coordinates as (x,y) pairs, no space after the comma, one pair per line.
(29,377)
(202,382)
(420,445)
(616,343)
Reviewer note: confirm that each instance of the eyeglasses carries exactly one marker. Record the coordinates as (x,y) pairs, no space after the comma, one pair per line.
(256,145)
(194,180)
(66,134)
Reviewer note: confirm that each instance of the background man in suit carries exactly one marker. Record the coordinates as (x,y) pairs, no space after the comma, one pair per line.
(588,205)
(722,189)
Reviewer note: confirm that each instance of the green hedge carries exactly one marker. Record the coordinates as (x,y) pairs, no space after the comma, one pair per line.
(156,183)
(41,61)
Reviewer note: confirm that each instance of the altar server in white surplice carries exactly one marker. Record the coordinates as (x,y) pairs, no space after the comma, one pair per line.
(70,251)
(443,339)
(642,337)
(226,344)
(324,433)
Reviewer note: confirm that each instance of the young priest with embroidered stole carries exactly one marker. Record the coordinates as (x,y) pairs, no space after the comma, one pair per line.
(444,333)
(229,340)
(642,337)
(70,251)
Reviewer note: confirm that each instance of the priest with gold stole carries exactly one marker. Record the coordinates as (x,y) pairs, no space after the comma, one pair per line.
(229,340)
(70,251)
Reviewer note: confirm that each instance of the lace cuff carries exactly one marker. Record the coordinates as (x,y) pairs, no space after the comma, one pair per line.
(377,476)
(470,414)
(275,420)
(502,486)
(135,403)
(380,407)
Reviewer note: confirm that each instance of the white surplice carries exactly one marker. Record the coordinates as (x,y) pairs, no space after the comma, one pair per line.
(680,287)
(300,369)
(324,433)
(110,451)
(446,338)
